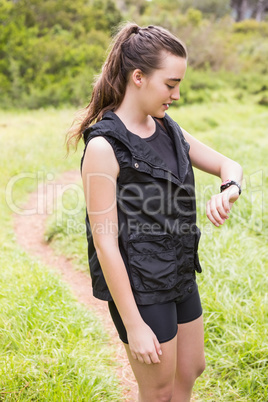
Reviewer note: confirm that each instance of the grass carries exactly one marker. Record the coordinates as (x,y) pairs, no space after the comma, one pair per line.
(234,258)
(234,282)
(51,348)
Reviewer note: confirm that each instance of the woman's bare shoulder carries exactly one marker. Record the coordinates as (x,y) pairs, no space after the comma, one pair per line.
(100,156)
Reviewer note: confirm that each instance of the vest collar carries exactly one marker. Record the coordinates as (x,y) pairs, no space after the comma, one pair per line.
(141,149)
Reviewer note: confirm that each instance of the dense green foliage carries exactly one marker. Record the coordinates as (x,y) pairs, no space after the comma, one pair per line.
(50,50)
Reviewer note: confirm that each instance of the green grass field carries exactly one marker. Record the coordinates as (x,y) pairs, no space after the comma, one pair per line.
(52,349)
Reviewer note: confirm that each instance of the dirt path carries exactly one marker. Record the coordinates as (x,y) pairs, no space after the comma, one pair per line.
(29,230)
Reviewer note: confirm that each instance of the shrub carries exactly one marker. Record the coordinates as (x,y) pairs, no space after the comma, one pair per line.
(251,26)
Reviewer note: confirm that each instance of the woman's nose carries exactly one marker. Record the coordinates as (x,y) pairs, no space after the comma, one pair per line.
(176,94)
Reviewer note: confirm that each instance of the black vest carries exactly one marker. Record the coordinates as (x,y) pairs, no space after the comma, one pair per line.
(158,236)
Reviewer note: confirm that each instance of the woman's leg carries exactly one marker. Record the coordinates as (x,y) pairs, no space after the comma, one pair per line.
(156,381)
(190,358)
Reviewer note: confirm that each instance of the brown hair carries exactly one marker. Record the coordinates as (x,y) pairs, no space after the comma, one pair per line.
(132,48)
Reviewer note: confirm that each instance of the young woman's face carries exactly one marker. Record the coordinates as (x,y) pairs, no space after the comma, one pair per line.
(162,87)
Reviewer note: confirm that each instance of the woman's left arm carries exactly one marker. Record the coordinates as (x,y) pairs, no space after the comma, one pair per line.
(211,161)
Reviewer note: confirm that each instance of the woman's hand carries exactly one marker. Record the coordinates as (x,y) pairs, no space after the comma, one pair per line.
(219,206)
(143,344)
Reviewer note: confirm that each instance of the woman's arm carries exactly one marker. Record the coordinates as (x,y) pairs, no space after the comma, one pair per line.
(100,171)
(211,161)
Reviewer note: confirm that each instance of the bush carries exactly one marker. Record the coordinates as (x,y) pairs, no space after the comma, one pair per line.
(47,48)
(251,26)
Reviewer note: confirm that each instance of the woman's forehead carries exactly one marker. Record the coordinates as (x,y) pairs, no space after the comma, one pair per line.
(173,67)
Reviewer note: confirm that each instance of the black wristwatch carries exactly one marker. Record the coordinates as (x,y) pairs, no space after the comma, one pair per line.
(229,183)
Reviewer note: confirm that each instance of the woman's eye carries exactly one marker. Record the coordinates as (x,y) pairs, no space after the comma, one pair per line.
(170,87)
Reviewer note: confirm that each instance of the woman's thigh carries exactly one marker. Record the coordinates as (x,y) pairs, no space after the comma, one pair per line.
(156,378)
(190,349)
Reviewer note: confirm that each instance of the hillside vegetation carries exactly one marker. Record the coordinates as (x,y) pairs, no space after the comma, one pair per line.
(50,51)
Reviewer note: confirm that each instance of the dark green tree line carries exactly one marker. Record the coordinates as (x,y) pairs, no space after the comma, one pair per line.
(50,51)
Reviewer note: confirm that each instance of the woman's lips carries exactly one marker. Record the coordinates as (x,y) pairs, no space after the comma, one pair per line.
(166,105)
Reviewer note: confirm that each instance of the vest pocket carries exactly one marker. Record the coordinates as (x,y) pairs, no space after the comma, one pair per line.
(196,259)
(152,262)
(190,244)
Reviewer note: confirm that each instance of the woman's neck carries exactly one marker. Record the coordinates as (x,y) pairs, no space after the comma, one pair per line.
(135,120)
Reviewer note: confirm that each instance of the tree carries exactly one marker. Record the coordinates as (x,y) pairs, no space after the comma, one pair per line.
(219,8)
(262,6)
(244,9)
(51,50)
(240,7)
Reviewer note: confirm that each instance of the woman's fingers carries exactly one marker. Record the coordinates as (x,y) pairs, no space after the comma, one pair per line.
(219,206)
(145,359)
(217,209)
(154,356)
(134,355)
(149,356)
(144,345)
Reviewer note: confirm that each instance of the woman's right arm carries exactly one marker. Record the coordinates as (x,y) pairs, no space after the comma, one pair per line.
(99,172)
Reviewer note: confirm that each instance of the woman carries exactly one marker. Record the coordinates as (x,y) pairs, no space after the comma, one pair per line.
(141,215)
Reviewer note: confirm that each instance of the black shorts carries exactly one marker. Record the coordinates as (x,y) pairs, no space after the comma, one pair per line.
(162,318)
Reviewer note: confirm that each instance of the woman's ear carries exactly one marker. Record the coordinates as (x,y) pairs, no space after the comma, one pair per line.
(137,77)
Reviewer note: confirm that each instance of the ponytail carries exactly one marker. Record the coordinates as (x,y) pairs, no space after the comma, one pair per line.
(132,48)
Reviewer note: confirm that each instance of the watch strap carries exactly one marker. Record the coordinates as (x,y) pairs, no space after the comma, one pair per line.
(229,183)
